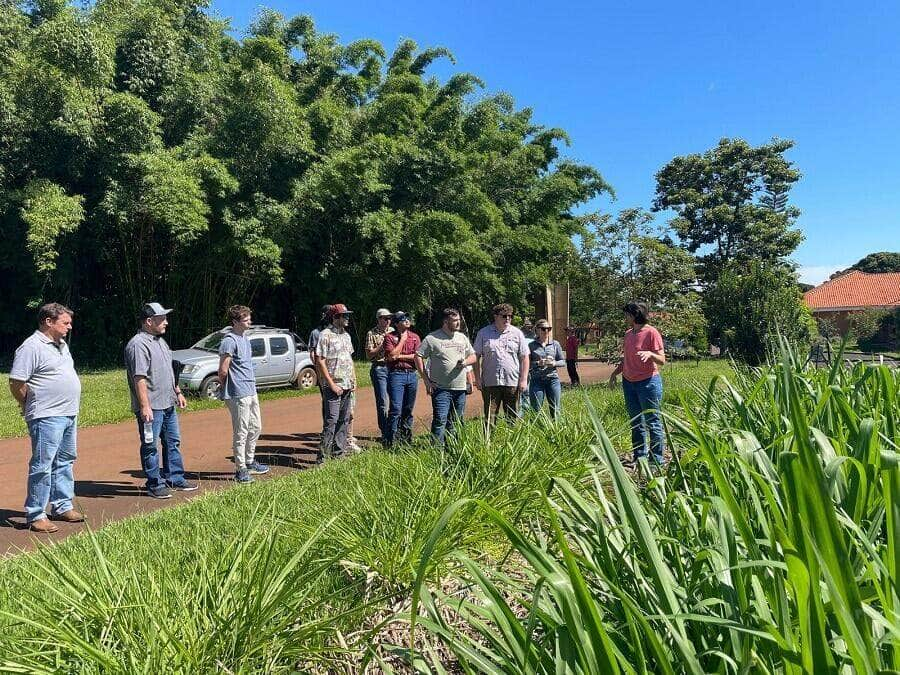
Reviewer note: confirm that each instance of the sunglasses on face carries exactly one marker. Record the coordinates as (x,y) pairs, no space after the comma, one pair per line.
(542,328)
(343,316)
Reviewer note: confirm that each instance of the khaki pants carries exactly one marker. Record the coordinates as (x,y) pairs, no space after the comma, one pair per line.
(246,425)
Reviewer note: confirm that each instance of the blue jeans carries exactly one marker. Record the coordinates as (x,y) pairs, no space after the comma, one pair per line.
(167,433)
(545,387)
(448,407)
(379,377)
(402,388)
(50,469)
(643,399)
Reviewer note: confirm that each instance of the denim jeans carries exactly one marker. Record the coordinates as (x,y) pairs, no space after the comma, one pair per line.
(545,387)
(402,388)
(643,399)
(167,434)
(448,407)
(379,377)
(50,478)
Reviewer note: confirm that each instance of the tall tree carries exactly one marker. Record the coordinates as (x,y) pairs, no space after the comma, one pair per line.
(145,152)
(731,203)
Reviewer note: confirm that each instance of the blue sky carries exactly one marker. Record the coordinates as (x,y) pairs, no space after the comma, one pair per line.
(636,84)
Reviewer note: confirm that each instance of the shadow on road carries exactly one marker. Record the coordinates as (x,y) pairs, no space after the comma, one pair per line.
(107,490)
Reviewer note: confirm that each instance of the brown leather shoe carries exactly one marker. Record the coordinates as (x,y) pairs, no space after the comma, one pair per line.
(70,516)
(43,526)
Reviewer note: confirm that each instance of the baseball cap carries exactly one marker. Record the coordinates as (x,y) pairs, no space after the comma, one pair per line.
(338,308)
(153,309)
(542,323)
(401,316)
(382,312)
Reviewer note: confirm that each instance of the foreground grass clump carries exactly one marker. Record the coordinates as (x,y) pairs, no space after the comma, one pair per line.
(770,546)
(293,573)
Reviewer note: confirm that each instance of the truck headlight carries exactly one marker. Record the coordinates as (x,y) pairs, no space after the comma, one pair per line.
(188,369)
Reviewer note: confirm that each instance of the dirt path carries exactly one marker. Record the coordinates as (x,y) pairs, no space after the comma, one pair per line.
(108,479)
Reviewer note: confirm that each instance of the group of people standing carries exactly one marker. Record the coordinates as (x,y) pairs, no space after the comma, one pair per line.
(503,362)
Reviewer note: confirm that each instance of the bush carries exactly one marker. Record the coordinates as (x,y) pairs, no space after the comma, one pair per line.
(876,329)
(749,306)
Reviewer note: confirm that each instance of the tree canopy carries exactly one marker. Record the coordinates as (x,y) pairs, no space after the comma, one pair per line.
(874,263)
(731,203)
(147,153)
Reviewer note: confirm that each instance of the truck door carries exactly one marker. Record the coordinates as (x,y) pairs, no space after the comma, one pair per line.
(260,358)
(281,359)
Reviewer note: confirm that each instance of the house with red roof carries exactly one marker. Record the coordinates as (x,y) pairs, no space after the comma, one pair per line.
(837,299)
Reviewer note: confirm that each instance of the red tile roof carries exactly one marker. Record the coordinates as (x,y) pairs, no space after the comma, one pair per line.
(856,290)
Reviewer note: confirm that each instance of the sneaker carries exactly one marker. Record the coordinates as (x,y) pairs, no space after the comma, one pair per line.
(184,486)
(257,469)
(243,476)
(353,446)
(161,492)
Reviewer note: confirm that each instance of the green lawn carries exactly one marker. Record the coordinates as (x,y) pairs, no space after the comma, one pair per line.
(105,399)
(276,576)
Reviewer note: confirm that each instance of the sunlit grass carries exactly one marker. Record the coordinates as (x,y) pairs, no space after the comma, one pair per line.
(209,579)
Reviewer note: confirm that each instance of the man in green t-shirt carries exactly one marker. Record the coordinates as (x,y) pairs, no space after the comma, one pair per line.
(447,353)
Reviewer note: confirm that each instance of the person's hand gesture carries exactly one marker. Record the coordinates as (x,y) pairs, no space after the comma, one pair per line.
(645,355)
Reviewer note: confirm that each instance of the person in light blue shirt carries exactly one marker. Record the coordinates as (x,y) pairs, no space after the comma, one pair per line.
(546,357)
(238,390)
(44,383)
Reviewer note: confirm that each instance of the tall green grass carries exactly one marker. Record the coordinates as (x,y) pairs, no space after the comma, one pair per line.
(770,546)
(298,573)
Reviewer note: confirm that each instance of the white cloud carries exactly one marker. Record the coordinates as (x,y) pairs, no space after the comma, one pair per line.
(816,274)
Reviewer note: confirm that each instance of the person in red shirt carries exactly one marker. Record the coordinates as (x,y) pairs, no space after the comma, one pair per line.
(642,354)
(572,344)
(400,349)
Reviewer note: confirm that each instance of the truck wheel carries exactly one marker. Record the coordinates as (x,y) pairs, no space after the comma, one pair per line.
(305,379)
(209,388)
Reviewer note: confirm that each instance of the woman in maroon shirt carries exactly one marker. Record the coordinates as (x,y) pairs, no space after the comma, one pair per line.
(400,354)
(642,354)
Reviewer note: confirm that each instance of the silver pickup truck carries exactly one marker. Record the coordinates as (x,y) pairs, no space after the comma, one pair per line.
(280,359)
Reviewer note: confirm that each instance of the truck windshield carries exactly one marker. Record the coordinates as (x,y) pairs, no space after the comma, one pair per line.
(210,343)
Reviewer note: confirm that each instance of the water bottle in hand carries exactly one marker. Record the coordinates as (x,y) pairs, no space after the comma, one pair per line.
(148,432)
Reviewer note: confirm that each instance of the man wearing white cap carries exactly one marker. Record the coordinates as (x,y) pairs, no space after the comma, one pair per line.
(378,373)
(154,396)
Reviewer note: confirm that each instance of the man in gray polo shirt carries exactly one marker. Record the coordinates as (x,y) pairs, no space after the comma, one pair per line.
(154,396)
(44,382)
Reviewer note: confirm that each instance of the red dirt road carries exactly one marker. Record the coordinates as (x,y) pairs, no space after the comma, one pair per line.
(108,477)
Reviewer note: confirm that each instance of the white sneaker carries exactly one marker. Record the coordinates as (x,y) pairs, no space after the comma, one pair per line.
(353,446)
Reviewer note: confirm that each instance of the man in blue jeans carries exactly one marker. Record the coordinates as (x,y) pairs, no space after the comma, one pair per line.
(378,372)
(44,382)
(447,353)
(154,396)
(400,352)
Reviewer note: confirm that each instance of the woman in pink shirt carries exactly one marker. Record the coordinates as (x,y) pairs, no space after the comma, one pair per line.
(643,353)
